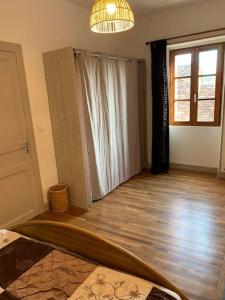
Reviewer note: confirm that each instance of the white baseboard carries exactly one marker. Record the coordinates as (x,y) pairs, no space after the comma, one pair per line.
(20,219)
(193,168)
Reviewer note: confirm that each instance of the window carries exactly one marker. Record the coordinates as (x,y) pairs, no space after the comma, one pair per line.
(196,76)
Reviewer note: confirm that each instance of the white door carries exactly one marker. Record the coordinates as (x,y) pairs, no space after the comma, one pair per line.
(18,196)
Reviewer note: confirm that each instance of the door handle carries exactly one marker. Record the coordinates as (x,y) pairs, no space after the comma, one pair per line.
(195,98)
(25,145)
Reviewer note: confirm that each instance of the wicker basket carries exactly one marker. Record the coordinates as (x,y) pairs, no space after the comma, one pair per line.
(58,197)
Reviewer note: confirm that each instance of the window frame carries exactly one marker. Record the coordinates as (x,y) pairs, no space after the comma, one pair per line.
(194,85)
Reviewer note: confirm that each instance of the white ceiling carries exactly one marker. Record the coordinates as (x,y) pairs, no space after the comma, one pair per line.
(143,7)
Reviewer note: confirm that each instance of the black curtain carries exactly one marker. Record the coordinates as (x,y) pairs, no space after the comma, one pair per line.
(160,108)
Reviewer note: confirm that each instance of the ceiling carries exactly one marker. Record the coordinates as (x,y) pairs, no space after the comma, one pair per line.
(143,7)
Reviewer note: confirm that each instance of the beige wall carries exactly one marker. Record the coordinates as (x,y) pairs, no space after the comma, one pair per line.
(188,146)
(39,26)
(42,25)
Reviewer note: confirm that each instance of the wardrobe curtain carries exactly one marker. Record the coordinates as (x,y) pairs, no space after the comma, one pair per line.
(160,108)
(109,89)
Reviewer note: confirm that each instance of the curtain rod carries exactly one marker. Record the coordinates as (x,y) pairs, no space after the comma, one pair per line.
(192,34)
(98,54)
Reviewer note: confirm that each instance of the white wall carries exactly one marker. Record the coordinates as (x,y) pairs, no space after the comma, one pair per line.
(195,146)
(42,25)
(189,145)
(39,26)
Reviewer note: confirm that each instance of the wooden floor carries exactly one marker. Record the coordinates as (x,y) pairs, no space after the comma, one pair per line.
(175,222)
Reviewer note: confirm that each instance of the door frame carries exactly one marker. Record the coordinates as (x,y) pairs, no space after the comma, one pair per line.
(40,206)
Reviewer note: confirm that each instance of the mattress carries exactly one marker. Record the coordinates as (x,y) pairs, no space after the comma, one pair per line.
(32,270)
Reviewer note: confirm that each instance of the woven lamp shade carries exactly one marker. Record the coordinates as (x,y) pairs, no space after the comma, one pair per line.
(109,16)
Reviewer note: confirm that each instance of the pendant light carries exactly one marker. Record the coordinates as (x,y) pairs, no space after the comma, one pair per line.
(109,16)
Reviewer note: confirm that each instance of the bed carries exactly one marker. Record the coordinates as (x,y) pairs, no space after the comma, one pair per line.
(48,260)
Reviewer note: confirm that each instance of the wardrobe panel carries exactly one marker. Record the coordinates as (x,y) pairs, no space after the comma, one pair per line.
(67,125)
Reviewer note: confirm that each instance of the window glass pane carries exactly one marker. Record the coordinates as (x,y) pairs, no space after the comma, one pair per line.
(182,111)
(183,65)
(206,110)
(182,89)
(206,87)
(207,62)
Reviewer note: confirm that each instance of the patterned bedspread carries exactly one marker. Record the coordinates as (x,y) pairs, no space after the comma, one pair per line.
(30,270)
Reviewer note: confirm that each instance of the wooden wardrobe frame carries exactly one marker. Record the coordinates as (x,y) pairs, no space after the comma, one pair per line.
(93,247)
(68,126)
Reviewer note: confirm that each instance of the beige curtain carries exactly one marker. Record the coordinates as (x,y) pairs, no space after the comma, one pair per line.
(111,112)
